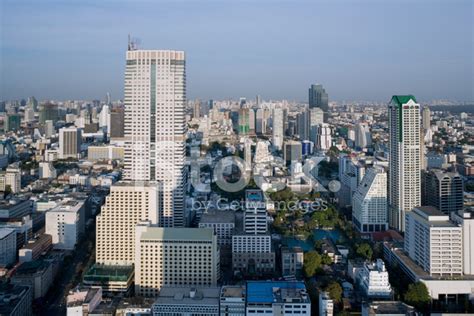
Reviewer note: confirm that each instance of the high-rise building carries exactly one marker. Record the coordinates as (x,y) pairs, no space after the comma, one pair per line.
(292,151)
(302,124)
(363,137)
(369,203)
(434,242)
(318,98)
(66,223)
(197,109)
(260,122)
(155,126)
(33,104)
(323,137)
(251,121)
(443,190)
(404,158)
(255,214)
(426,118)
(12,123)
(70,140)
(316,118)
(117,123)
(465,218)
(48,111)
(125,206)
(244,121)
(277,129)
(175,257)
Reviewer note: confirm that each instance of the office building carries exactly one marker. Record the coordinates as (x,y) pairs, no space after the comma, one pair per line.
(66,223)
(174,257)
(117,118)
(47,170)
(252,254)
(244,121)
(232,300)
(70,140)
(35,248)
(316,118)
(363,137)
(7,247)
(277,298)
(38,275)
(109,152)
(404,158)
(155,126)
(255,213)
(443,190)
(373,279)
(292,151)
(223,224)
(302,124)
(369,202)
(392,308)
(318,98)
(127,204)
(11,178)
(426,118)
(292,260)
(323,137)
(16,300)
(326,304)
(278,128)
(12,123)
(184,301)
(48,112)
(434,242)
(465,218)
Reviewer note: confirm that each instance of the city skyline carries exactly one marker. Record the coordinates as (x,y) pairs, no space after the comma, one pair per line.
(243,49)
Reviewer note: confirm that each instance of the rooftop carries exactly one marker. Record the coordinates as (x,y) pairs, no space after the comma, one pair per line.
(403,99)
(278,291)
(103,273)
(188,296)
(233,291)
(389,307)
(32,267)
(4,232)
(218,216)
(159,233)
(10,295)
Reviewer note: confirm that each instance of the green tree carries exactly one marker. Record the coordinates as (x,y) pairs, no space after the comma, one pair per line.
(335,291)
(417,295)
(325,259)
(312,263)
(364,250)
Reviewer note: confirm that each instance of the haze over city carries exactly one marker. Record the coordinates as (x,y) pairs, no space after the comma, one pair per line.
(360,50)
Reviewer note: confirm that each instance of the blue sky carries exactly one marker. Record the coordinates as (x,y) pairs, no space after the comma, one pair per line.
(359,50)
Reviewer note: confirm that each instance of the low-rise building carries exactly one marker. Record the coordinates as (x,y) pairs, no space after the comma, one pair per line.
(292,261)
(373,280)
(232,301)
(182,301)
(392,308)
(326,304)
(113,279)
(33,249)
(277,298)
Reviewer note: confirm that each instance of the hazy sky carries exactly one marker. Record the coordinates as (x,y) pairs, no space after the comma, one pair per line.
(359,50)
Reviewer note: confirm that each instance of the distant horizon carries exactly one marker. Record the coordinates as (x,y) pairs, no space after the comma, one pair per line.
(356,49)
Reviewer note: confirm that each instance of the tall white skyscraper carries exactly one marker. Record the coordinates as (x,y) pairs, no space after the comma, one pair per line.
(155,126)
(278,130)
(369,203)
(404,158)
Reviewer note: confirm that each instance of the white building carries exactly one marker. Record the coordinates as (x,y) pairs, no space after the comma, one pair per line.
(404,158)
(70,140)
(7,246)
(363,137)
(184,301)
(373,280)
(466,220)
(155,126)
(174,257)
(127,204)
(232,300)
(223,224)
(13,178)
(277,298)
(434,242)
(326,304)
(65,223)
(278,128)
(324,138)
(255,213)
(83,301)
(47,171)
(369,203)
(292,261)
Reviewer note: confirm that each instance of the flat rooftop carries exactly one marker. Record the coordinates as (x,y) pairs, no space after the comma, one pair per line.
(271,292)
(10,296)
(194,234)
(4,232)
(182,296)
(218,216)
(104,273)
(254,195)
(389,307)
(233,291)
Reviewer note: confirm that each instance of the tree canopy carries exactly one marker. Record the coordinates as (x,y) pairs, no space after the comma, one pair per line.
(312,263)
(334,290)
(417,295)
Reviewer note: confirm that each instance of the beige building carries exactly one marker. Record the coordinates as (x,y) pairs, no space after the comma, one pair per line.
(127,204)
(167,257)
(105,153)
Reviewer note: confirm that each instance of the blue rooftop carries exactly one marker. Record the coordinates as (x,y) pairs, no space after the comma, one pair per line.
(268,291)
(254,195)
